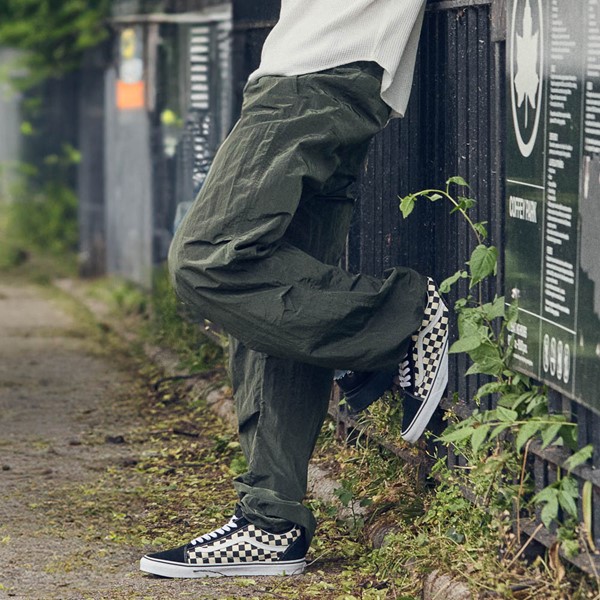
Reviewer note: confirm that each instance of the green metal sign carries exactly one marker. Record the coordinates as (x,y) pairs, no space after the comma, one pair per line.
(553,191)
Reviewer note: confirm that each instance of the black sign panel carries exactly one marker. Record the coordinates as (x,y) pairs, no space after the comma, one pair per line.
(553,191)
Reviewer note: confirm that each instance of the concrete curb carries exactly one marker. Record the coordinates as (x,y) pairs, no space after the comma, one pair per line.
(321,485)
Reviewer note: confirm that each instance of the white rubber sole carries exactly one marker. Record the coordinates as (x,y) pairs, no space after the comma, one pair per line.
(180,571)
(415,430)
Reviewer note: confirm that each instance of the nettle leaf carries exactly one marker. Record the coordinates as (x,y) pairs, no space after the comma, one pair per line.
(450,281)
(499,429)
(460,304)
(567,502)
(550,510)
(457,435)
(494,310)
(518,378)
(493,387)
(526,432)
(465,344)
(511,400)
(482,263)
(479,436)
(486,366)
(549,434)
(569,485)
(488,352)
(458,180)
(535,403)
(435,197)
(569,437)
(547,494)
(506,414)
(579,457)
(469,322)
(481,229)
(407,205)
(465,203)
(344,495)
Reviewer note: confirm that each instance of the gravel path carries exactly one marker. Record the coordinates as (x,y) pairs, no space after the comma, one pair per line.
(63,403)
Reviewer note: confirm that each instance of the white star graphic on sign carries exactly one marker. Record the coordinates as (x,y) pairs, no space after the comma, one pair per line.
(527,79)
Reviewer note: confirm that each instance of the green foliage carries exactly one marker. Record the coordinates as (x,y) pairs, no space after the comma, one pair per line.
(168,326)
(42,213)
(483,263)
(476,539)
(438,529)
(495,442)
(52,33)
(563,493)
(46,220)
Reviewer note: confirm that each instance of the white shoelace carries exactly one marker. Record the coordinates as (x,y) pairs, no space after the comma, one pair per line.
(207,537)
(404,379)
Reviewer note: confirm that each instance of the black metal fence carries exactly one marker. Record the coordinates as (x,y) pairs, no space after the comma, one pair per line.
(454,125)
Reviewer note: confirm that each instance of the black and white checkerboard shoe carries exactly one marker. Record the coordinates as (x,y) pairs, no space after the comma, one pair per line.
(362,388)
(239,548)
(424,372)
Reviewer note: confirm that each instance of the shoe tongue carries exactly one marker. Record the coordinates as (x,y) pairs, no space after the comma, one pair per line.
(236,522)
(238,514)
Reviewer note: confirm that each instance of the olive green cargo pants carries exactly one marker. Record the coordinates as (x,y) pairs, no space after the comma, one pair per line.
(258,253)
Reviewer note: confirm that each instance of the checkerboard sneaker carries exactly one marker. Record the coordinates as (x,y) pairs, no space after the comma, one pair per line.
(362,388)
(424,372)
(239,548)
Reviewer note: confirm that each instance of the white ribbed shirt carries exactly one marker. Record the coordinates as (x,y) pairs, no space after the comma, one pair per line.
(312,35)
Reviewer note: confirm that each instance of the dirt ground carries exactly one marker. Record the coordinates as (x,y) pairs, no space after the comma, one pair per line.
(59,430)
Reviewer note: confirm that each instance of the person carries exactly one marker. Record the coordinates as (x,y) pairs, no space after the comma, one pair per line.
(258,253)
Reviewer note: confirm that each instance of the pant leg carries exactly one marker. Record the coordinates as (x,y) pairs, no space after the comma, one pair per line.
(230,260)
(281,408)
(281,404)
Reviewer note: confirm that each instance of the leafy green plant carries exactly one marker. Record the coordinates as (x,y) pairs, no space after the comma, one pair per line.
(495,442)
(42,213)
(53,34)
(51,37)
(46,220)
(198,351)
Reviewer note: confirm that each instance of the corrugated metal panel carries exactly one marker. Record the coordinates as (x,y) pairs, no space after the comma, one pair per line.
(128,184)
(197,57)
(223,42)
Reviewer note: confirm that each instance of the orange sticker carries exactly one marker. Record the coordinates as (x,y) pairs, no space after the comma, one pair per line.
(130,96)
